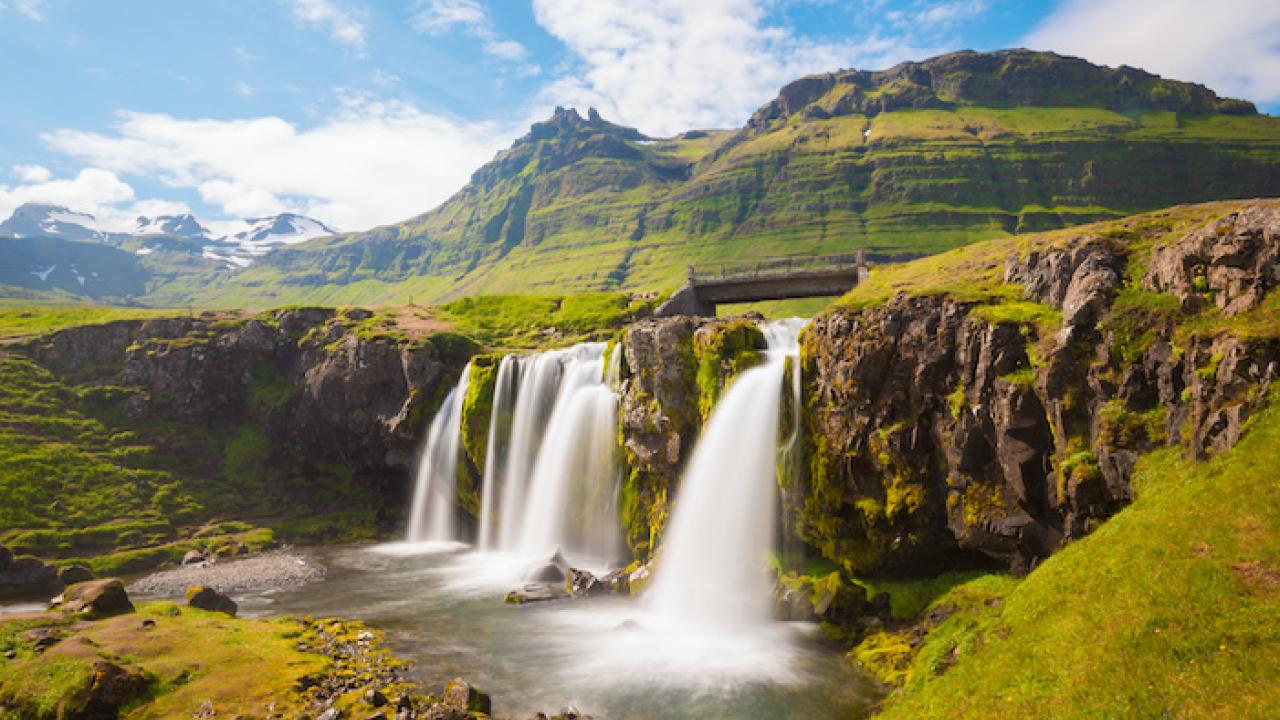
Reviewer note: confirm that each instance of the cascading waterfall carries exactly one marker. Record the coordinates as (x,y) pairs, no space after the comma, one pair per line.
(710,571)
(539,379)
(552,479)
(431,516)
(504,397)
(572,504)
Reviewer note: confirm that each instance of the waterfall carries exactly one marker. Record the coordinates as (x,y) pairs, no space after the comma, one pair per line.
(552,477)
(572,493)
(504,397)
(431,514)
(710,571)
(539,378)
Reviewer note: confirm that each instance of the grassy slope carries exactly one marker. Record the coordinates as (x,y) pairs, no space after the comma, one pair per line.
(917,181)
(244,668)
(1170,609)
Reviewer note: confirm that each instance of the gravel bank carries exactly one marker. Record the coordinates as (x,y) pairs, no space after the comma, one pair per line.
(260,573)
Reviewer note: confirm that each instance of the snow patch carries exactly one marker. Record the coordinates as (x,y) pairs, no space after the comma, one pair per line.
(44,274)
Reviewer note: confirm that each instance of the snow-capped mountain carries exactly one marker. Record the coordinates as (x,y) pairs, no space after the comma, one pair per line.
(235,243)
(39,219)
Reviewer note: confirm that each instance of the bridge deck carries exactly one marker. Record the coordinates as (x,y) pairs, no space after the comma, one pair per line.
(777,279)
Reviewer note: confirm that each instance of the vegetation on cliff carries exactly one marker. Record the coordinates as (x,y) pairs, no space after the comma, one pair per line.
(1167,610)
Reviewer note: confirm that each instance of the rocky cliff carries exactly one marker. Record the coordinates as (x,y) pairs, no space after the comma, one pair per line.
(940,425)
(288,407)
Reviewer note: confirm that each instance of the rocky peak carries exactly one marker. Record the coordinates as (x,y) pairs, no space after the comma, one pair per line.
(1002,78)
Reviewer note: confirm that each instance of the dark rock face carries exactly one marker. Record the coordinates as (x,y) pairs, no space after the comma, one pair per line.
(1232,263)
(932,433)
(323,393)
(674,370)
(111,687)
(26,577)
(206,598)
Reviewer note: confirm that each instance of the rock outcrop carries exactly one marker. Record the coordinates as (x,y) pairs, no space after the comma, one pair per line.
(309,392)
(25,577)
(207,598)
(936,429)
(95,598)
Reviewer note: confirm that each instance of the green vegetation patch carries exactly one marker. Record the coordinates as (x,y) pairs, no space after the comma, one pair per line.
(1170,609)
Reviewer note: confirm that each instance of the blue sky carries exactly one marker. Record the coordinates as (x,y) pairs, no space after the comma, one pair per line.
(363,112)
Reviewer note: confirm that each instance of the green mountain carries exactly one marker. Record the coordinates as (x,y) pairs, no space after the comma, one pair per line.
(917,159)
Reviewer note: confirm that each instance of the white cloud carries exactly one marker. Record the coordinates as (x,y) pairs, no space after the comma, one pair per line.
(1229,45)
(95,191)
(668,65)
(341,24)
(437,17)
(32,173)
(370,163)
(28,8)
(245,89)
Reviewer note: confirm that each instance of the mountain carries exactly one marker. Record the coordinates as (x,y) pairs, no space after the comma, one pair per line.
(49,248)
(917,159)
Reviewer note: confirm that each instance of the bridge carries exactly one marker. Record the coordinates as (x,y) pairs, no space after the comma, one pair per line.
(771,279)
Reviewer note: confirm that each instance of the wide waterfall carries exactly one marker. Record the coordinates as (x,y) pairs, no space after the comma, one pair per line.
(431,516)
(711,564)
(552,477)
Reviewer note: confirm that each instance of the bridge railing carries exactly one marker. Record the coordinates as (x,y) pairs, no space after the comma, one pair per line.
(772,267)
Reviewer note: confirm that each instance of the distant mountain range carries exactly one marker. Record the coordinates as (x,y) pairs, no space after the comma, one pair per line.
(917,159)
(48,248)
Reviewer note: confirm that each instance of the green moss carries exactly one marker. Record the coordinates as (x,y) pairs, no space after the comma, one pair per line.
(477,412)
(1137,319)
(245,458)
(1176,595)
(721,352)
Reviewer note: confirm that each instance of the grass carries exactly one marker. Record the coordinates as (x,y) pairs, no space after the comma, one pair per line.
(522,321)
(189,657)
(1170,609)
(31,320)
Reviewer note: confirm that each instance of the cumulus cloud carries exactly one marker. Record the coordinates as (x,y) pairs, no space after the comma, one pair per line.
(437,17)
(1229,45)
(94,190)
(32,173)
(668,65)
(341,25)
(373,162)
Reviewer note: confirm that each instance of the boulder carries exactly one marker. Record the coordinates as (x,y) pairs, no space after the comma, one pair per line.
(461,694)
(111,687)
(72,574)
(554,570)
(96,598)
(581,583)
(206,598)
(537,592)
(193,557)
(26,577)
(617,582)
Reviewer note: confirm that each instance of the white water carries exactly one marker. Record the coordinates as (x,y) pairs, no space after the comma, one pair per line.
(710,572)
(431,516)
(504,398)
(554,475)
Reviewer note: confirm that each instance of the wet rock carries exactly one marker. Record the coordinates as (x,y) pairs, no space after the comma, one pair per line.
(536,592)
(629,626)
(617,582)
(554,570)
(581,583)
(206,598)
(72,574)
(96,598)
(461,694)
(639,578)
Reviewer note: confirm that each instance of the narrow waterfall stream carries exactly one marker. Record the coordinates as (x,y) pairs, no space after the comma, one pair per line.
(495,459)
(431,516)
(711,563)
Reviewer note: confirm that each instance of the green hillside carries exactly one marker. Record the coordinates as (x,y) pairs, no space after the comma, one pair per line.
(917,159)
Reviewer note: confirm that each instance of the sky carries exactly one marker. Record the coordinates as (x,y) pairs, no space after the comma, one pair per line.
(367,112)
